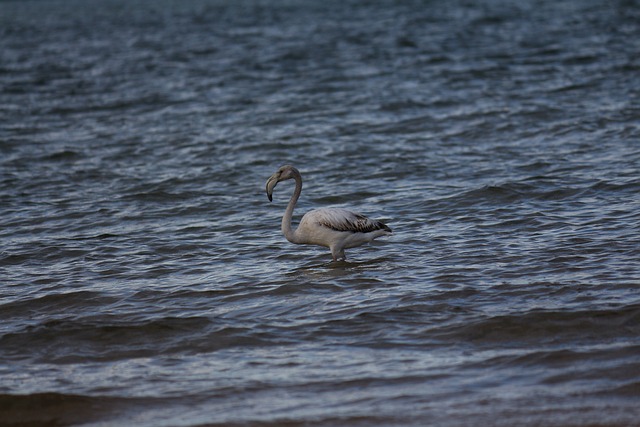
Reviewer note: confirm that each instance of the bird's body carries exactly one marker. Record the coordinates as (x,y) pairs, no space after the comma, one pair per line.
(335,228)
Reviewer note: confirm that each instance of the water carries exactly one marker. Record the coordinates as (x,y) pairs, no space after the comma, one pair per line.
(144,278)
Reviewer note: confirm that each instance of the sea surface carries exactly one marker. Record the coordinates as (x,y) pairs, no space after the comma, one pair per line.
(144,279)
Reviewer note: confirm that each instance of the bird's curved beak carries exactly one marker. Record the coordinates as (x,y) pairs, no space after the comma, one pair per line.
(271,184)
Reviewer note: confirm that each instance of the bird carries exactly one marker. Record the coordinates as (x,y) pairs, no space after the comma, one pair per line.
(335,228)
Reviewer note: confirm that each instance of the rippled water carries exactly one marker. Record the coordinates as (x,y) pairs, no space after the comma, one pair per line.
(144,278)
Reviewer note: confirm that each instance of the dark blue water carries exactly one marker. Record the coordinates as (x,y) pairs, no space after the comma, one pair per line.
(144,279)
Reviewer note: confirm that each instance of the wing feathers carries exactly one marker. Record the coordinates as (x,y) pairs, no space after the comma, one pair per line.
(344,220)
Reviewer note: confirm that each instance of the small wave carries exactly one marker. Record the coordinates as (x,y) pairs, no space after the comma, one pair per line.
(549,326)
(538,188)
(157,196)
(55,303)
(607,187)
(64,155)
(53,409)
(67,340)
(61,409)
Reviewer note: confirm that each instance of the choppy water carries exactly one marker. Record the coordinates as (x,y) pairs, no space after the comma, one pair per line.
(144,279)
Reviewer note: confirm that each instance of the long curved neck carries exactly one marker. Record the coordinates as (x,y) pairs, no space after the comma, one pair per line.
(288,232)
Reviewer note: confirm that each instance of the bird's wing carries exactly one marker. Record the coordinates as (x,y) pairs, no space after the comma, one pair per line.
(343,220)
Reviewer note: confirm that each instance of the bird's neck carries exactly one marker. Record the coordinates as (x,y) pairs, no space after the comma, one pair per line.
(287,230)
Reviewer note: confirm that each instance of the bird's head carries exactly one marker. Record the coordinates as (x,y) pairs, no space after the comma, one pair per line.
(285,172)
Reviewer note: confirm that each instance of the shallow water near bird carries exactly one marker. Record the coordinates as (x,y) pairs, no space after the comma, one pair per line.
(144,279)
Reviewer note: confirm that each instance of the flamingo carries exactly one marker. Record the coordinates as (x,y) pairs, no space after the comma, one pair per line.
(335,228)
